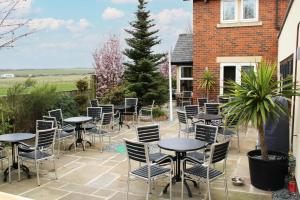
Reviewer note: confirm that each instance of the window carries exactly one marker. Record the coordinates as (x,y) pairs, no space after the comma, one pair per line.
(229,10)
(235,11)
(233,72)
(286,68)
(186,78)
(249,10)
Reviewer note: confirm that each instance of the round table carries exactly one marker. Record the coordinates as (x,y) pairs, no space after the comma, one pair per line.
(14,139)
(180,146)
(78,121)
(208,117)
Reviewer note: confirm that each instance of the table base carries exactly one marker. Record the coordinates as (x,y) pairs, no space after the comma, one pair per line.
(80,141)
(175,180)
(15,167)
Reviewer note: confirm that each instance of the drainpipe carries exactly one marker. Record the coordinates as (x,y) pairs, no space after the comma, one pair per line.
(295,86)
(277,26)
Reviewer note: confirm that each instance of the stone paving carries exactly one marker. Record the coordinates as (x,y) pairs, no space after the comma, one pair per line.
(92,175)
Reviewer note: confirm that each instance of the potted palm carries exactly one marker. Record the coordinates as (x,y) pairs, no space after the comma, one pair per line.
(254,102)
(207,82)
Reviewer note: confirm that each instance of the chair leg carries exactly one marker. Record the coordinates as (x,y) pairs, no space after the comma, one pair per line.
(9,171)
(58,148)
(226,187)
(37,173)
(19,169)
(128,181)
(208,190)
(75,144)
(171,185)
(54,166)
(182,180)
(149,189)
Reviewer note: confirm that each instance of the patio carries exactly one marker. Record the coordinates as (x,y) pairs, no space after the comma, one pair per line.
(92,175)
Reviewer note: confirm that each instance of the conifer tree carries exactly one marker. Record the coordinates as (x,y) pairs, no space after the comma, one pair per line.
(142,72)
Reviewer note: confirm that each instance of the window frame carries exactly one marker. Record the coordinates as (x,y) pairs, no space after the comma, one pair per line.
(238,72)
(235,14)
(185,78)
(242,12)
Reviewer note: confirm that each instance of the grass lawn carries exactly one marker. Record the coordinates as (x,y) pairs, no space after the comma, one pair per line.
(62,82)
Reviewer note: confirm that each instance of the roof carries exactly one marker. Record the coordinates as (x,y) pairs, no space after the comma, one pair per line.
(183,51)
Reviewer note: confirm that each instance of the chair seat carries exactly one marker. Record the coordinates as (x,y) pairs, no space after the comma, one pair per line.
(64,134)
(31,155)
(68,128)
(156,156)
(201,172)
(25,148)
(88,126)
(154,171)
(198,155)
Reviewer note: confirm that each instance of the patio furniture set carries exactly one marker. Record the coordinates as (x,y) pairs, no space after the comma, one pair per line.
(195,158)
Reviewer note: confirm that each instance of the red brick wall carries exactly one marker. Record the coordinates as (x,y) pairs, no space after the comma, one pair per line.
(211,42)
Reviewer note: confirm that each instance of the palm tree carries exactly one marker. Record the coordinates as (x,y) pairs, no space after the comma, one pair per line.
(207,82)
(254,99)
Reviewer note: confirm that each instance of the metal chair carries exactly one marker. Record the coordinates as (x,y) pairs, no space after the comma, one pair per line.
(94,103)
(204,133)
(149,172)
(109,108)
(223,99)
(57,113)
(44,150)
(212,108)
(4,156)
(150,134)
(201,102)
(61,135)
(186,98)
(191,111)
(185,125)
(231,129)
(103,129)
(132,103)
(95,113)
(207,173)
(146,113)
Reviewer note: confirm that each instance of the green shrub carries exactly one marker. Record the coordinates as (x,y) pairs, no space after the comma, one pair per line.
(68,106)
(82,85)
(30,82)
(117,95)
(158,112)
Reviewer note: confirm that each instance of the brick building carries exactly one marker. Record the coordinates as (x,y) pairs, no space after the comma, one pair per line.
(233,35)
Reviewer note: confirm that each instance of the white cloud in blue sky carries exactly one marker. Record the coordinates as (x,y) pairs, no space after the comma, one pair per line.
(70,30)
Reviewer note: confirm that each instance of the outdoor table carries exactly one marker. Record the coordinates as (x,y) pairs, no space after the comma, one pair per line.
(78,121)
(121,109)
(208,117)
(14,139)
(180,146)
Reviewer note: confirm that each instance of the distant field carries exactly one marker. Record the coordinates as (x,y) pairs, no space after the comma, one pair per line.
(63,79)
(42,72)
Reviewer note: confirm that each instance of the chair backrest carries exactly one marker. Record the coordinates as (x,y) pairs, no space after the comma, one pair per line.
(58,115)
(182,118)
(187,93)
(44,125)
(107,108)
(94,112)
(223,99)
(202,101)
(44,139)
(132,102)
(94,102)
(219,152)
(137,151)
(231,121)
(48,118)
(106,119)
(212,108)
(149,133)
(206,133)
(191,110)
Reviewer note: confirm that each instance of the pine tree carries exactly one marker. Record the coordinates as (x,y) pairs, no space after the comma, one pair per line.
(141,71)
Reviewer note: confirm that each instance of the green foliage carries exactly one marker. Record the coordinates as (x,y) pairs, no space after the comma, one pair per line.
(142,72)
(158,112)
(254,99)
(82,85)
(207,81)
(30,82)
(117,95)
(68,105)
(5,113)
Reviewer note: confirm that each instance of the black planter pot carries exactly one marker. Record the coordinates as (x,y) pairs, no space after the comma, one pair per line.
(268,175)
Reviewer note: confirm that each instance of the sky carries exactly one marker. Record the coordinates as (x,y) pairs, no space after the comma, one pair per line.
(69,31)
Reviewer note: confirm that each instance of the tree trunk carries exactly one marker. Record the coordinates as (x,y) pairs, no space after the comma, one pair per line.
(263,146)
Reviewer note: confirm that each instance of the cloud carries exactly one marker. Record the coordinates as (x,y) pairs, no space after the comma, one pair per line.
(124,1)
(167,16)
(55,24)
(112,13)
